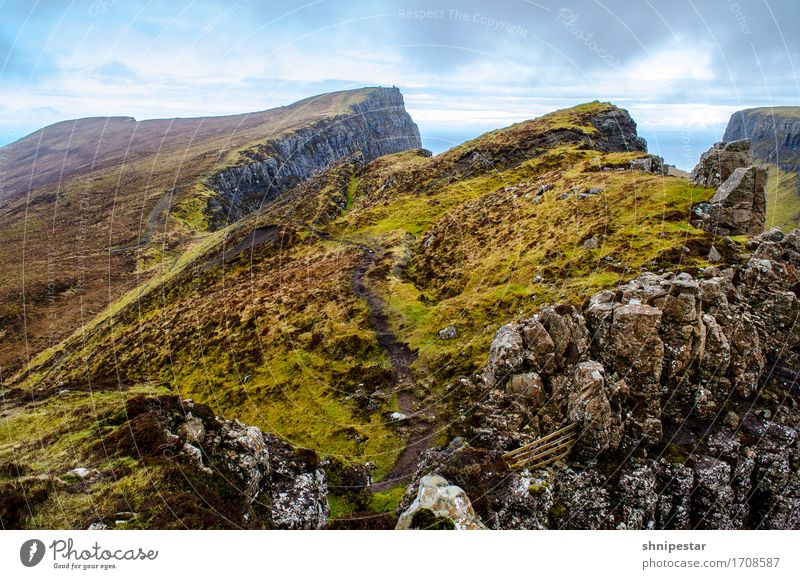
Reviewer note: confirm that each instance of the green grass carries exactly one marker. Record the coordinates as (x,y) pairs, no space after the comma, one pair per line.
(783,198)
(783,112)
(192,210)
(639,218)
(387,501)
(352,188)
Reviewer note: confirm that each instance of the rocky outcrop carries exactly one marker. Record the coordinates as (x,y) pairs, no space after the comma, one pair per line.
(683,389)
(774,133)
(719,163)
(236,475)
(739,206)
(650,164)
(377,125)
(616,131)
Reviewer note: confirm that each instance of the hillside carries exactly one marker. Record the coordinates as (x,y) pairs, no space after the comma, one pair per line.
(340,315)
(92,208)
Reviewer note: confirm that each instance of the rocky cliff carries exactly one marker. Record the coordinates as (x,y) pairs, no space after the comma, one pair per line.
(773,131)
(375,126)
(683,392)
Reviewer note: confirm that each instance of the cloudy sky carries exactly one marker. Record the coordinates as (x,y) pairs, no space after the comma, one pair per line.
(680,66)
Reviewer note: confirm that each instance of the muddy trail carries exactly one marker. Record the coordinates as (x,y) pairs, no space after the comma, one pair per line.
(420,427)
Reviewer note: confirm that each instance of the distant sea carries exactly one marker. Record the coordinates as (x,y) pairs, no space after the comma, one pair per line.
(681,148)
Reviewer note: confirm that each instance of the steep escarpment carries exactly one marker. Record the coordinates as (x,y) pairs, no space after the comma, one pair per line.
(375,126)
(96,207)
(681,392)
(773,131)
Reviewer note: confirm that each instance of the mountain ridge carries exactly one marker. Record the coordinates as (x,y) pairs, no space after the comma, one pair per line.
(94,214)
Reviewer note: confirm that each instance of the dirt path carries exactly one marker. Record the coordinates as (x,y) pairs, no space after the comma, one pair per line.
(150,225)
(421,430)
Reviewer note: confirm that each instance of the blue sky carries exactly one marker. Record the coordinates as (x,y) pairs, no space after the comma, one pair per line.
(681,67)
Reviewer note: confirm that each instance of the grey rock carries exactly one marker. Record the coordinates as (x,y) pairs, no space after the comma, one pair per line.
(379,125)
(649,164)
(588,406)
(505,354)
(739,205)
(528,386)
(443,500)
(719,163)
(448,333)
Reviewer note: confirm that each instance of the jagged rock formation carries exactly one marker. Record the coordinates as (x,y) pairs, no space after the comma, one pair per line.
(242,477)
(739,207)
(719,163)
(378,125)
(684,392)
(773,131)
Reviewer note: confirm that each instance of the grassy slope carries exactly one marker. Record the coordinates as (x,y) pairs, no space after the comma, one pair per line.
(277,338)
(783,199)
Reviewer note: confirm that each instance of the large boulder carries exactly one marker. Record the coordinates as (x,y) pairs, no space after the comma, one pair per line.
(439,505)
(719,163)
(739,207)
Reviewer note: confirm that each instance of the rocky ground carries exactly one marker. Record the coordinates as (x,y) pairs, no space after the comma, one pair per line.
(684,392)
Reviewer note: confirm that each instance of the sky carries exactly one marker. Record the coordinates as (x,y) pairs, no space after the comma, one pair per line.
(681,67)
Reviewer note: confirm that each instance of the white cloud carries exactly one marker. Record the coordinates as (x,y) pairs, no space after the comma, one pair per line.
(673,63)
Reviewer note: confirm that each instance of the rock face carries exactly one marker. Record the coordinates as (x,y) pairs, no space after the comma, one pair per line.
(773,131)
(265,482)
(647,373)
(719,163)
(616,131)
(448,504)
(378,125)
(739,206)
